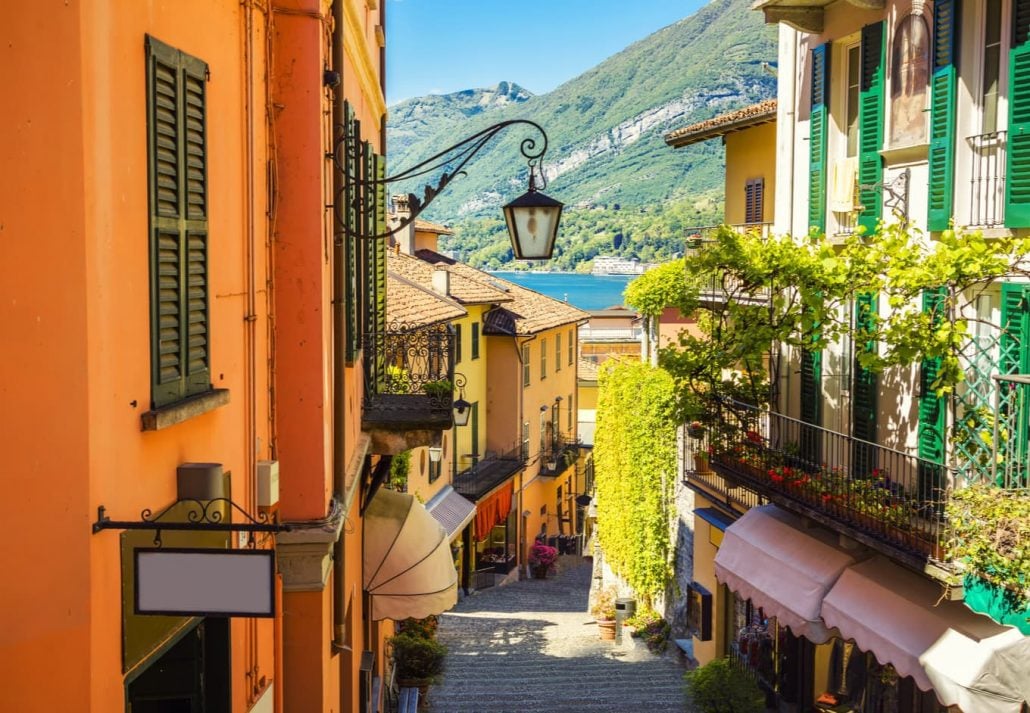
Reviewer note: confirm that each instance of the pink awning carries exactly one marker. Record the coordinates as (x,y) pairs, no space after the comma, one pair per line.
(967,659)
(768,557)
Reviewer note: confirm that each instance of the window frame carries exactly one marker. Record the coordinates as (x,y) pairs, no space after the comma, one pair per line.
(526,373)
(543,359)
(557,351)
(457,343)
(475,340)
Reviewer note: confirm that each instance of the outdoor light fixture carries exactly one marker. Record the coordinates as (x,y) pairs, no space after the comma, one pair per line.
(532,218)
(435,454)
(462,408)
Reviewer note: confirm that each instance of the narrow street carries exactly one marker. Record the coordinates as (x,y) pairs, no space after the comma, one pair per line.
(531,646)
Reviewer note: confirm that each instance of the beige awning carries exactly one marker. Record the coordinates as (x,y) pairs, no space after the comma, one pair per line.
(766,556)
(967,659)
(408,567)
(453,511)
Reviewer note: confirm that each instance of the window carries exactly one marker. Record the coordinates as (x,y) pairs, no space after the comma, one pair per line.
(572,346)
(572,412)
(543,358)
(457,343)
(754,194)
(991,65)
(851,99)
(475,340)
(525,440)
(525,365)
(180,339)
(557,352)
(474,423)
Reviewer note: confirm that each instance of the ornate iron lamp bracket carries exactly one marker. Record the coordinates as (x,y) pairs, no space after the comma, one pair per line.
(458,155)
(202,516)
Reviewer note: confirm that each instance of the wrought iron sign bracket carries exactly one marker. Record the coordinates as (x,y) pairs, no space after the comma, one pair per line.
(202,516)
(454,159)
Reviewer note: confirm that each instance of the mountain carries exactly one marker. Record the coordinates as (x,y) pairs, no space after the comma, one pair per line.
(605,129)
(414,119)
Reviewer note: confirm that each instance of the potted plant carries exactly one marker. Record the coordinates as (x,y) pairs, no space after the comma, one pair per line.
(418,662)
(439,388)
(695,429)
(603,611)
(542,560)
(722,686)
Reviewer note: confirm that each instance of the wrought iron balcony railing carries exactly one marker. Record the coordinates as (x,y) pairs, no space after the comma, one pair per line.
(409,377)
(488,472)
(888,499)
(562,455)
(722,288)
(987,179)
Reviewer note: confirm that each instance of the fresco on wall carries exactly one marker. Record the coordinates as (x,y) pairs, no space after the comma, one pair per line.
(910,72)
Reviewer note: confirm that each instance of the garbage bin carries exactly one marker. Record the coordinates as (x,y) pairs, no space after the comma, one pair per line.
(625,608)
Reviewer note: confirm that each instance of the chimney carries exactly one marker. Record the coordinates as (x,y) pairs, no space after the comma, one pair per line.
(442,281)
(402,211)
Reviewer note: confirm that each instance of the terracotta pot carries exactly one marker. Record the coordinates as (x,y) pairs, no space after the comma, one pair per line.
(606,629)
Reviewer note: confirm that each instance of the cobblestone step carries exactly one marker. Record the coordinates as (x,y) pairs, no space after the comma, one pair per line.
(531,647)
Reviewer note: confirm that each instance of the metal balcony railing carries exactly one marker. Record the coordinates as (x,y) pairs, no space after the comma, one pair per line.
(610,334)
(560,456)
(884,496)
(1010,457)
(489,471)
(409,377)
(697,236)
(987,179)
(724,287)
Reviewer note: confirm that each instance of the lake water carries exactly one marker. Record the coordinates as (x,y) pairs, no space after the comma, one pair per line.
(589,292)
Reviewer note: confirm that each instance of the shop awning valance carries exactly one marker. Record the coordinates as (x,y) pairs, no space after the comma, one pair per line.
(967,659)
(451,510)
(768,558)
(408,567)
(493,510)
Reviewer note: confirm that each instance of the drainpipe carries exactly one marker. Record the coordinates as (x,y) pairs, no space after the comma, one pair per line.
(339,335)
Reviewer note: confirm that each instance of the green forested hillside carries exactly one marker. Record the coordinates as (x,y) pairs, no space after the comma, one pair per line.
(606,148)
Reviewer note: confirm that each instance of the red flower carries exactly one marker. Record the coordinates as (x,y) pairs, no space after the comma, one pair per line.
(754,436)
(827,498)
(776,478)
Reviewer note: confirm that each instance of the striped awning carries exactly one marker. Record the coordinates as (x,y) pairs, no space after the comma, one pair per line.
(451,510)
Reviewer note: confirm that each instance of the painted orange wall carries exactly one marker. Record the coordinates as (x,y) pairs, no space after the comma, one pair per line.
(80,316)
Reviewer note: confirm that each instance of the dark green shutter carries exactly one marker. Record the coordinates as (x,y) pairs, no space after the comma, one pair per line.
(810,445)
(932,408)
(1014,358)
(870,125)
(817,137)
(943,88)
(350,242)
(1017,187)
(177,179)
(379,245)
(863,395)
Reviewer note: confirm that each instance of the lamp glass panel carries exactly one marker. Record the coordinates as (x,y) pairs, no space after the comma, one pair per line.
(532,230)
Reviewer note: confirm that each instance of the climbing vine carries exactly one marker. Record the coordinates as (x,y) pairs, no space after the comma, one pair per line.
(635,468)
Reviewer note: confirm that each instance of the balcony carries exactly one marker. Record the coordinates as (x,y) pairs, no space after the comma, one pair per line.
(408,386)
(489,472)
(886,499)
(701,234)
(725,288)
(610,334)
(562,455)
(987,180)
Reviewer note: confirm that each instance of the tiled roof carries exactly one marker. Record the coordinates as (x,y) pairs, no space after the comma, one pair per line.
(587,370)
(761,113)
(427,227)
(528,312)
(462,289)
(410,303)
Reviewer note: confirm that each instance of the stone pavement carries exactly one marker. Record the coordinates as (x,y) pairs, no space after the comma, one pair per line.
(531,646)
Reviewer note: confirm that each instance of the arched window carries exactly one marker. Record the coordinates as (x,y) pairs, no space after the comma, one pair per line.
(910,73)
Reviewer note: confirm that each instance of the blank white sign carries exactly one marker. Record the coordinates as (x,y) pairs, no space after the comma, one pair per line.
(198,582)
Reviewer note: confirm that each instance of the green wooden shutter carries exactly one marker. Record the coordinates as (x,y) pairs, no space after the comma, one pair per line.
(817,137)
(932,408)
(1017,187)
(350,243)
(177,180)
(810,446)
(943,88)
(379,245)
(863,400)
(870,125)
(1014,358)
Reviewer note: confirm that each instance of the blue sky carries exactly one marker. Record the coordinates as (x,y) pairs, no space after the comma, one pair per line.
(442,46)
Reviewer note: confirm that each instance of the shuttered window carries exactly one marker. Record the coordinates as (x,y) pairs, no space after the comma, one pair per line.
(177,179)
(1017,187)
(457,343)
(943,87)
(525,365)
(543,358)
(557,352)
(932,408)
(1014,358)
(817,137)
(870,125)
(352,344)
(754,200)
(863,399)
(475,340)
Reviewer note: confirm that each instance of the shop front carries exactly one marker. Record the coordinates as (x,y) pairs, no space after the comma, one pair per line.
(496,543)
(826,628)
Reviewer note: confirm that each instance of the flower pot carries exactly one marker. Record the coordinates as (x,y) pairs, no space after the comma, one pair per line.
(540,571)
(606,629)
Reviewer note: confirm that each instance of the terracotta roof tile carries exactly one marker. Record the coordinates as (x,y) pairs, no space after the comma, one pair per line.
(462,289)
(427,227)
(761,113)
(410,303)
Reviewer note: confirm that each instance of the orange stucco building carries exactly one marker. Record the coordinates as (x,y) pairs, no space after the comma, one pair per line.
(181,292)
